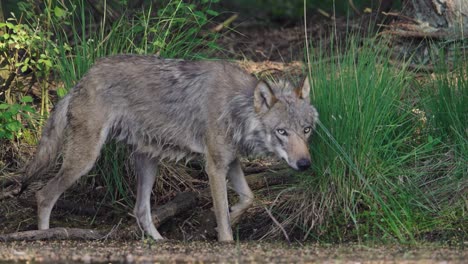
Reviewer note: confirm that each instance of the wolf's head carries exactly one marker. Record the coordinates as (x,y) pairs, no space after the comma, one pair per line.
(289,120)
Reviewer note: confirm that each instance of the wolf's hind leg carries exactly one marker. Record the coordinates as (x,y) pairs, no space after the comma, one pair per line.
(146,175)
(240,186)
(81,149)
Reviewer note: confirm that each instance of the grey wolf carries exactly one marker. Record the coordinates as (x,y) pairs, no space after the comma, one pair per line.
(168,110)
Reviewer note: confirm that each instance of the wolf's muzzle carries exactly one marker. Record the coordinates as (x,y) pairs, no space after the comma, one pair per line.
(303,164)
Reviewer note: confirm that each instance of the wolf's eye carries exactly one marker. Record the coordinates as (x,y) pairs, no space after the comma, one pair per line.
(307,130)
(281,131)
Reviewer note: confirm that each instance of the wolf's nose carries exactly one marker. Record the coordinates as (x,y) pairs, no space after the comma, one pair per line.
(303,164)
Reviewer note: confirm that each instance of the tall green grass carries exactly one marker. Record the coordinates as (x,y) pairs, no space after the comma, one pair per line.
(445,101)
(174,31)
(364,131)
(379,173)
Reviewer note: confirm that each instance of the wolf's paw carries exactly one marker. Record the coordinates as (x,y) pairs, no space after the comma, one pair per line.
(236,214)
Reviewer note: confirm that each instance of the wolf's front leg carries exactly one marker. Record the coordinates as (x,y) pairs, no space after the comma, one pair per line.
(146,169)
(240,186)
(217,166)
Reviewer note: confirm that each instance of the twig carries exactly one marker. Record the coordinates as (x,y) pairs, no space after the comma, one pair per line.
(351,4)
(225,24)
(278,224)
(112,231)
(401,16)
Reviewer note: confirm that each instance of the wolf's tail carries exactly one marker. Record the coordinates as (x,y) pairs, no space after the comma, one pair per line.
(50,143)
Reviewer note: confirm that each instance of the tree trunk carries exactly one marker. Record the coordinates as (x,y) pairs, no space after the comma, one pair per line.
(2,17)
(424,28)
(439,18)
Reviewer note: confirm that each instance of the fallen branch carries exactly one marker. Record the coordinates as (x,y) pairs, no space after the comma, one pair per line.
(58,233)
(261,180)
(269,178)
(181,203)
(264,168)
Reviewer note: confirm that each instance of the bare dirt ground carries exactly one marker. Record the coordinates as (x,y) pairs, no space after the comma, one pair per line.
(205,252)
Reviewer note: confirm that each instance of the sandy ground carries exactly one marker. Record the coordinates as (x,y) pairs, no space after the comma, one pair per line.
(205,252)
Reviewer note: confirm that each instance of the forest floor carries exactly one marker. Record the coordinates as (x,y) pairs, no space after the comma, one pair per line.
(213,252)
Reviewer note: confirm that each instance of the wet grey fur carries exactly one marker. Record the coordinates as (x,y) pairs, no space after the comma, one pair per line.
(170,110)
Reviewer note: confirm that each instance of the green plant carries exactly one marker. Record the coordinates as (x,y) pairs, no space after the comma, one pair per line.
(376,176)
(11,116)
(174,31)
(364,127)
(27,47)
(446,102)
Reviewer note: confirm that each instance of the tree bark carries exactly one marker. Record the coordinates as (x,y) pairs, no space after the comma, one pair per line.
(450,16)
(2,17)
(424,27)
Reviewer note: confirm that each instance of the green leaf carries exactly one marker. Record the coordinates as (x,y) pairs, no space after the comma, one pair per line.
(4,106)
(28,109)
(6,36)
(48,63)
(212,12)
(61,92)
(14,109)
(7,115)
(199,14)
(59,12)
(10,25)
(13,126)
(201,17)
(27,99)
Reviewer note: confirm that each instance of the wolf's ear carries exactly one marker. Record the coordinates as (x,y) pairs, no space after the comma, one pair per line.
(264,98)
(303,92)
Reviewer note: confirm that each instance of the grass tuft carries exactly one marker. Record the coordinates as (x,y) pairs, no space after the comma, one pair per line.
(380,166)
